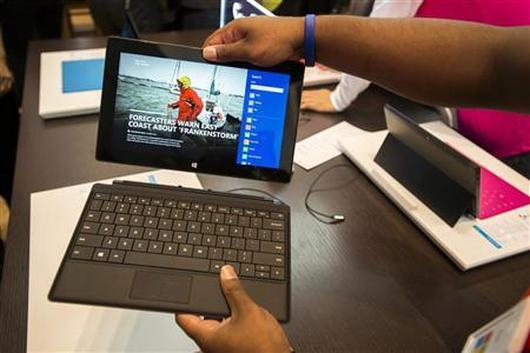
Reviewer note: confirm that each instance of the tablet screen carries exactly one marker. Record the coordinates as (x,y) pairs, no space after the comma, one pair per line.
(175,110)
(186,108)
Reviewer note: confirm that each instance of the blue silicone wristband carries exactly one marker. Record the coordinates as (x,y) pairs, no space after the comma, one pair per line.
(309,40)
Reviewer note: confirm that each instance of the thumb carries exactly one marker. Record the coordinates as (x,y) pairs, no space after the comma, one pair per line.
(191,324)
(235,294)
(237,51)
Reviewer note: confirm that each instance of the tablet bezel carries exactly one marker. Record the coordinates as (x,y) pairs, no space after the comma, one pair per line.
(106,152)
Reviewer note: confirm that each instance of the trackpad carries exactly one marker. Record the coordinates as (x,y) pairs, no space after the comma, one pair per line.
(161,287)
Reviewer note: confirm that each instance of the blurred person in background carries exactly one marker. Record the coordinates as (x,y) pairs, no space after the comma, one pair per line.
(506,135)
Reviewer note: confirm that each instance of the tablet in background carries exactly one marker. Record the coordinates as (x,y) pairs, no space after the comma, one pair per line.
(82,75)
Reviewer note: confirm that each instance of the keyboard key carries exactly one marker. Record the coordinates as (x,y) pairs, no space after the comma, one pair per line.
(273,224)
(237,210)
(140,245)
(89,240)
(165,235)
(236,231)
(252,245)
(151,234)
(106,229)
(218,218)
(210,208)
(144,200)
(82,253)
(200,252)
(101,196)
(170,203)
(204,216)
(208,228)
(157,202)
(248,212)
(185,205)
(215,253)
(165,223)
(130,199)
(108,206)
(125,244)
(193,226)
(221,229)
(195,238)
(155,247)
(263,214)
(167,261)
(244,221)
(180,237)
(151,222)
(268,259)
(251,233)
(149,211)
(185,250)
(263,275)
(101,254)
(223,209)
(163,212)
(110,242)
(177,214)
(255,222)
(278,235)
(107,217)
(272,247)
(216,266)
(95,205)
(116,256)
(244,256)
(136,232)
(264,234)
(122,219)
(231,219)
(223,242)
(263,268)
(170,249)
(90,227)
(179,225)
(137,221)
(238,243)
(229,254)
(122,207)
(121,231)
(136,209)
(278,273)
(196,206)
(247,270)
(209,240)
(277,215)
(190,215)
(117,198)
(93,216)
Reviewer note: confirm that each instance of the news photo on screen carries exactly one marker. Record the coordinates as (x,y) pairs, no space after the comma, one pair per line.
(198,111)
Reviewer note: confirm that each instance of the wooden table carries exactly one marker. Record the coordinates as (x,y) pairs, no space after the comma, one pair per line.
(374,283)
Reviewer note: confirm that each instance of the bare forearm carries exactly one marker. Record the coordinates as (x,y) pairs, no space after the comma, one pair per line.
(439,62)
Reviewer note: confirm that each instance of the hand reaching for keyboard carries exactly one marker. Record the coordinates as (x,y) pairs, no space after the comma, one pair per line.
(250,328)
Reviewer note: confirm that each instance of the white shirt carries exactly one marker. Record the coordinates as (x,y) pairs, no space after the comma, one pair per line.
(349,86)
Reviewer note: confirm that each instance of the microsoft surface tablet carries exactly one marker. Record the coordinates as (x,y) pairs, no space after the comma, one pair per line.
(165,106)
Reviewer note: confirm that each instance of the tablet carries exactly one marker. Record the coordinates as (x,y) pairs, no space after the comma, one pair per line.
(164,106)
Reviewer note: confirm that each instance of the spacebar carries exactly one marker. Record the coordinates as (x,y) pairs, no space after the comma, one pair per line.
(177,262)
